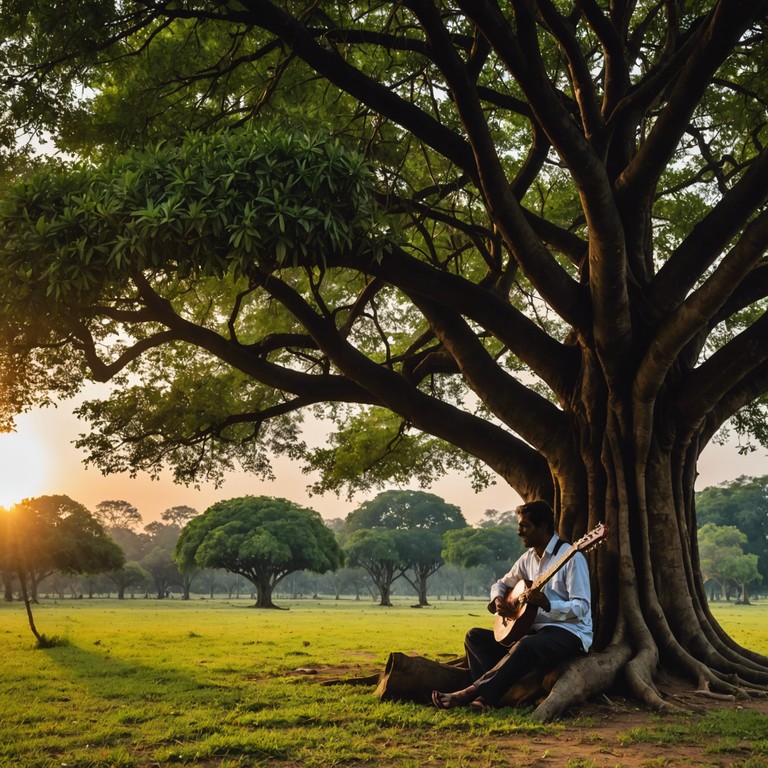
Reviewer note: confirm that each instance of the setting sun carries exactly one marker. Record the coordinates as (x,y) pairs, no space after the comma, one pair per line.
(23,467)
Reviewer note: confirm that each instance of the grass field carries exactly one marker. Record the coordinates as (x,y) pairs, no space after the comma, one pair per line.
(215,683)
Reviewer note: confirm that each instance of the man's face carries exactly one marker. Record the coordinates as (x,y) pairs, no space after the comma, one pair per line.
(532,535)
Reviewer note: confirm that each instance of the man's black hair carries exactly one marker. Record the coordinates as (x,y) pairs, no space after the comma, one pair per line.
(538,512)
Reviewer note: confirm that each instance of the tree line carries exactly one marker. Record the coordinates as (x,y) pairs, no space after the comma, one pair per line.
(249,544)
(252,544)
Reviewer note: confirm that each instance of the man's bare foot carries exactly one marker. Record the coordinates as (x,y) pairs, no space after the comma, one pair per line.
(456,699)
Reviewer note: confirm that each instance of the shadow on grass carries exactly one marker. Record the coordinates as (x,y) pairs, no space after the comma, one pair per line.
(111,677)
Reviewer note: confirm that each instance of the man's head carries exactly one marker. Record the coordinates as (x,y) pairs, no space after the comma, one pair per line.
(536,524)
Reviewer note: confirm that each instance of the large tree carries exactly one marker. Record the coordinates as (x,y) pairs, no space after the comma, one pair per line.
(571,297)
(260,538)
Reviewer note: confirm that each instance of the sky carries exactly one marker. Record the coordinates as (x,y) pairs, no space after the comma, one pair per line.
(40,458)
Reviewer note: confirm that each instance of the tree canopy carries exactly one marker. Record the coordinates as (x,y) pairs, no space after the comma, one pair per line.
(406,510)
(52,533)
(55,533)
(493,547)
(521,240)
(260,538)
(117,513)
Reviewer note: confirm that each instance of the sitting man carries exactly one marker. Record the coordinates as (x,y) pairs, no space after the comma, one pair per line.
(562,628)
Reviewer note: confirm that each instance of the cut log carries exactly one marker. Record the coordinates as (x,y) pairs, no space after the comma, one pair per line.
(413,678)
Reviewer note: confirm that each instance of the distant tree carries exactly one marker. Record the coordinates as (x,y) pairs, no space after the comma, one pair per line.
(743,503)
(352,581)
(424,517)
(158,560)
(233,583)
(493,517)
(53,533)
(336,524)
(495,547)
(117,514)
(209,579)
(185,580)
(260,538)
(132,574)
(179,515)
(723,560)
(380,552)
(423,551)
(6,576)
(135,546)
(133,543)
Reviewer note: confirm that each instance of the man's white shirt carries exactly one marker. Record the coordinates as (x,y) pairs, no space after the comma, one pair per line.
(568,591)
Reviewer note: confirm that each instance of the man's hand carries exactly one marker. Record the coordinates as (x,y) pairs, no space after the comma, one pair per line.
(503,608)
(538,598)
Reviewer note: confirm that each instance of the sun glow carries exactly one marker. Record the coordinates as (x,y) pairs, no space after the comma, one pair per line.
(23,467)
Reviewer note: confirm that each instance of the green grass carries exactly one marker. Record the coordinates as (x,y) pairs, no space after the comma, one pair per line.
(215,683)
(746,624)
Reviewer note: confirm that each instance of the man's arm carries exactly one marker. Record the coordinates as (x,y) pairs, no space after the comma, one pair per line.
(578,603)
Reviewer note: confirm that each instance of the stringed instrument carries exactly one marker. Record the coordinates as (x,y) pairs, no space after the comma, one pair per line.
(521,615)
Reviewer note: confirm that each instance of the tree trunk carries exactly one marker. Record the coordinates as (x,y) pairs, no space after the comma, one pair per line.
(649,599)
(744,597)
(28,606)
(7,586)
(264,588)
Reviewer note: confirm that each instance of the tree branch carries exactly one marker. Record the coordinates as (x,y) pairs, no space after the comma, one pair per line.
(503,452)
(376,95)
(536,420)
(607,254)
(707,239)
(106,371)
(555,363)
(745,391)
(723,372)
(537,263)
(692,316)
(313,386)
(722,30)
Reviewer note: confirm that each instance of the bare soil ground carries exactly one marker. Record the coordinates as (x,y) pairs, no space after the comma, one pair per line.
(617,732)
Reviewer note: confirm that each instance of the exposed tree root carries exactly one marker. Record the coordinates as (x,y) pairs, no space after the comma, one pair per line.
(581,679)
(712,695)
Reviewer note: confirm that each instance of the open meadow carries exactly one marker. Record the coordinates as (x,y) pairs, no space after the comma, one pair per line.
(218,683)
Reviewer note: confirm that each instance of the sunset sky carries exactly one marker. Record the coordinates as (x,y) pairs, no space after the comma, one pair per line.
(39,458)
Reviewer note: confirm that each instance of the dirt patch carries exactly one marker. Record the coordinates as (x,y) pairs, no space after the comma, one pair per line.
(616,732)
